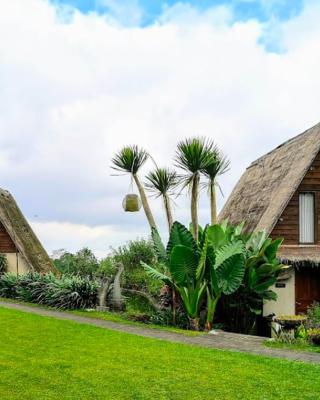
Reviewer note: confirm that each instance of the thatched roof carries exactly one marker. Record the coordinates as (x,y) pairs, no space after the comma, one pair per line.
(22,234)
(268,184)
(300,255)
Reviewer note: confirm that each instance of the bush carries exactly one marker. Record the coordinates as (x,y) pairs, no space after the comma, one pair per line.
(3,263)
(68,292)
(314,335)
(313,315)
(83,263)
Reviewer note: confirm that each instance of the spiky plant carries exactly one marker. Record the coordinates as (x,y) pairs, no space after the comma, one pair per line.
(162,182)
(193,156)
(129,160)
(219,165)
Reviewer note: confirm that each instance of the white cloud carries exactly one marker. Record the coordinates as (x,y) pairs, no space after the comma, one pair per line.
(73,93)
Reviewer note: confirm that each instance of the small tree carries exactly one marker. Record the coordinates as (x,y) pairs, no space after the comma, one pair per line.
(193,156)
(218,166)
(130,159)
(162,183)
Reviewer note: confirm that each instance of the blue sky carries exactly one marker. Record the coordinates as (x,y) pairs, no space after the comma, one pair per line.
(261,10)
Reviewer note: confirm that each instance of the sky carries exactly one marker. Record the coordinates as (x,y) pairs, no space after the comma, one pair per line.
(79,79)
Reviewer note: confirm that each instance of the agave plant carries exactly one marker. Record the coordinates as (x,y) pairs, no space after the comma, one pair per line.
(193,156)
(129,160)
(219,165)
(162,182)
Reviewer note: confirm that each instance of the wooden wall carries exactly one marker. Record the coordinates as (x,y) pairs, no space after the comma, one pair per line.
(6,243)
(288,225)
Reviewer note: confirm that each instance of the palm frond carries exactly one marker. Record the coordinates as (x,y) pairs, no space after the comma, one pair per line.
(194,154)
(218,166)
(130,159)
(162,181)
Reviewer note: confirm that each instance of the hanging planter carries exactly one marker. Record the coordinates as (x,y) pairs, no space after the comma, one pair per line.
(131,203)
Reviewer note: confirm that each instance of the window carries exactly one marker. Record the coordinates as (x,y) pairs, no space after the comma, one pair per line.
(306,217)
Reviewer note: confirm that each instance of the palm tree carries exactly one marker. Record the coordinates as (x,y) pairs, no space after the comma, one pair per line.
(162,182)
(130,159)
(193,156)
(219,165)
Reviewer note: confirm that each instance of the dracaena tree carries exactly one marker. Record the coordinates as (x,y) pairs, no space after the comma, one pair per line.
(217,167)
(193,156)
(162,182)
(129,160)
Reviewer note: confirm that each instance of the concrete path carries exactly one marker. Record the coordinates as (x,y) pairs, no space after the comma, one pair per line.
(223,340)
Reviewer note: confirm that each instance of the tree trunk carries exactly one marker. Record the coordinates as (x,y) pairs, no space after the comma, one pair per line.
(167,206)
(213,203)
(194,323)
(194,205)
(145,203)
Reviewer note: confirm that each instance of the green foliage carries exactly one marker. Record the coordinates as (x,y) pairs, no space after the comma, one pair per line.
(129,159)
(83,263)
(194,154)
(225,262)
(162,181)
(313,316)
(3,263)
(8,285)
(68,292)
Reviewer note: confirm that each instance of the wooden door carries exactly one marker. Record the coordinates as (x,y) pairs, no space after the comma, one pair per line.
(307,288)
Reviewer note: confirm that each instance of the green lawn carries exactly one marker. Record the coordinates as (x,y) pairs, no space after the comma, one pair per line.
(44,358)
(295,346)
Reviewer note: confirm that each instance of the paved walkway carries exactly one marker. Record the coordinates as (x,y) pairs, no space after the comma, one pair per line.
(223,340)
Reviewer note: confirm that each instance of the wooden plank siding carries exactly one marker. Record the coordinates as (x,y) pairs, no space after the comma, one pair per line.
(6,243)
(288,224)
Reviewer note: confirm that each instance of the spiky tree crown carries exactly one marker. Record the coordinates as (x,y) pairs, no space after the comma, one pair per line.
(130,159)
(162,181)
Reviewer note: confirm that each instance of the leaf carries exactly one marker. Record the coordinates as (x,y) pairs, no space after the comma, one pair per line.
(227,251)
(155,274)
(261,287)
(216,236)
(158,245)
(230,274)
(270,295)
(238,229)
(183,264)
(271,251)
(203,258)
(180,235)
(214,282)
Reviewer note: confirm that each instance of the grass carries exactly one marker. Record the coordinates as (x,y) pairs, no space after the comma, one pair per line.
(44,358)
(296,346)
(109,316)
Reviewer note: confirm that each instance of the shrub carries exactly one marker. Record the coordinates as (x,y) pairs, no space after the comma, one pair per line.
(3,263)
(8,285)
(313,315)
(69,292)
(83,263)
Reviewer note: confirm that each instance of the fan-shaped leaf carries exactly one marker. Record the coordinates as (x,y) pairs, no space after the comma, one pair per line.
(183,264)
(180,235)
(227,251)
(216,236)
(230,274)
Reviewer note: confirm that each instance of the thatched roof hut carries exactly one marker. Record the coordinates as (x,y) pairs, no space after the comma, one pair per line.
(17,230)
(265,190)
